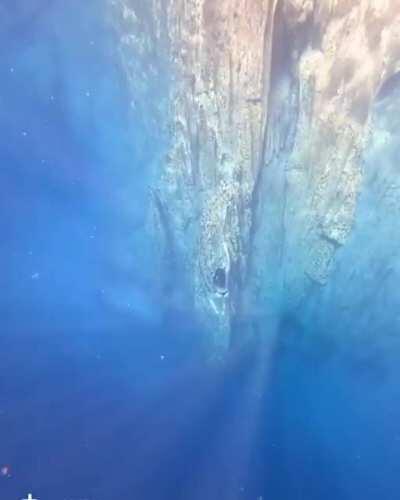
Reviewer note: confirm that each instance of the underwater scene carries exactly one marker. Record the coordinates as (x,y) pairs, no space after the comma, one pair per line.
(200,247)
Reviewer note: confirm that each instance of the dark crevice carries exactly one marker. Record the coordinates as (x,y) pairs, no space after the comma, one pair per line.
(389,86)
(283,42)
(219,278)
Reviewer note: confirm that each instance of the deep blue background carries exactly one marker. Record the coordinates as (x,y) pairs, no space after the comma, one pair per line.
(101,395)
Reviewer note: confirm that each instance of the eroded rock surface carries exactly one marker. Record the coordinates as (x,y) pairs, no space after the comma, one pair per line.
(268,119)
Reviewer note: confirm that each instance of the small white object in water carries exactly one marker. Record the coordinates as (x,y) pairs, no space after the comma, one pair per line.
(162,357)
(30,497)
(35,276)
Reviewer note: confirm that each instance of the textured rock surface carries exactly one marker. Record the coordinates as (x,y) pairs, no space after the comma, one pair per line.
(274,112)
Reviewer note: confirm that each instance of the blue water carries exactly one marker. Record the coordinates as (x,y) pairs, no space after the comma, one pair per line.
(102,395)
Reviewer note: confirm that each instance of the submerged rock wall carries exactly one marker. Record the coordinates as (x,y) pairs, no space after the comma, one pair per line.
(270,118)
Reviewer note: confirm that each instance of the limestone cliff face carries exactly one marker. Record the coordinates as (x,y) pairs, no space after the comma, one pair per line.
(268,117)
(219,109)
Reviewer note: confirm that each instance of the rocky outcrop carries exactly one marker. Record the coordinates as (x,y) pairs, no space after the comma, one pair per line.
(267,119)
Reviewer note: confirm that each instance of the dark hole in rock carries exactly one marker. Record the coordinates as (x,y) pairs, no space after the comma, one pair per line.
(220,278)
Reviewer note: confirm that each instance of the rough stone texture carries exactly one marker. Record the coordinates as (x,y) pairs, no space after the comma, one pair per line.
(270,120)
